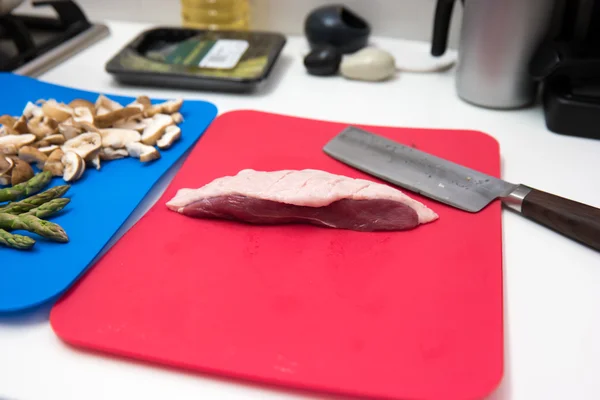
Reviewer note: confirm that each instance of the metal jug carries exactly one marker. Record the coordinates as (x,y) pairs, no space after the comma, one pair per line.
(497,41)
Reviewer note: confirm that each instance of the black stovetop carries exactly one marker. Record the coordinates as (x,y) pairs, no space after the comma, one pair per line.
(24,38)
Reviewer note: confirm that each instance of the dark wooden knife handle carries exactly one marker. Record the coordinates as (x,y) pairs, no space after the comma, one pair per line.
(575,220)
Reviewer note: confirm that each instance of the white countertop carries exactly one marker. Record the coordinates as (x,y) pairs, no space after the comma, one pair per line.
(552,284)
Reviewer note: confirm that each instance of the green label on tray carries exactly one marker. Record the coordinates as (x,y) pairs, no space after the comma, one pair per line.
(190,52)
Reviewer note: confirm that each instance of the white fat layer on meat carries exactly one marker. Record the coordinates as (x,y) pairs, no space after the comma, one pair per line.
(308,188)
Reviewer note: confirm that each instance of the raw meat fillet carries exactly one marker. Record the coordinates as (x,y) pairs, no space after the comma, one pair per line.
(305,196)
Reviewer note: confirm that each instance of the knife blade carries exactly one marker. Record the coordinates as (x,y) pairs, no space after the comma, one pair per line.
(461,187)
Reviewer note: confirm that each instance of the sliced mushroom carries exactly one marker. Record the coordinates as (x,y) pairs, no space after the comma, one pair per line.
(51,122)
(6,165)
(7,120)
(177,117)
(8,123)
(118,138)
(152,111)
(49,131)
(172,134)
(130,124)
(144,100)
(74,166)
(54,163)
(144,152)
(47,150)
(49,140)
(8,149)
(85,145)
(17,140)
(83,119)
(82,114)
(41,127)
(55,156)
(108,153)
(106,120)
(5,180)
(32,155)
(68,130)
(40,143)
(172,106)
(9,130)
(111,105)
(20,125)
(57,111)
(32,111)
(21,172)
(168,107)
(155,128)
(102,111)
(83,103)
(57,138)
(95,161)
(55,168)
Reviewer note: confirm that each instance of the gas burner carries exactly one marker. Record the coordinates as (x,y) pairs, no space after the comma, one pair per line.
(31,45)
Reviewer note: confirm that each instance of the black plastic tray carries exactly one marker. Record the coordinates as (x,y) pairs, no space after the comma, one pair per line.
(131,65)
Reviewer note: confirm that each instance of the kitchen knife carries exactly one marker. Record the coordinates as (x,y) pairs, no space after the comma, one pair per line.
(459,186)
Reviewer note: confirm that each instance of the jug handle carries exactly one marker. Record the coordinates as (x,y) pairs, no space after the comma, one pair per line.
(441,26)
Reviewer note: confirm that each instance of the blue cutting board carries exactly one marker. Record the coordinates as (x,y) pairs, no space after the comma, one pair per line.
(100,202)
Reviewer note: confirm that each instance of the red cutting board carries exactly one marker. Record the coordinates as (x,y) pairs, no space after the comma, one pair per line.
(404,315)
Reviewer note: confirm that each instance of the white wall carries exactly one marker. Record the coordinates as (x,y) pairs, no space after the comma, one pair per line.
(411,19)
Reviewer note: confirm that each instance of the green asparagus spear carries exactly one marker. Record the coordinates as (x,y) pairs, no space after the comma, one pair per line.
(23,206)
(27,188)
(52,193)
(33,224)
(15,241)
(49,208)
(16,208)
